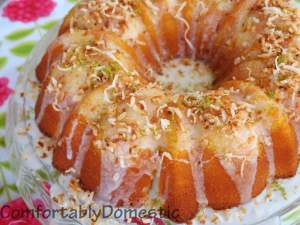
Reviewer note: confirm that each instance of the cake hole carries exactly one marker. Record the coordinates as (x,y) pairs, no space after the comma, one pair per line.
(185,75)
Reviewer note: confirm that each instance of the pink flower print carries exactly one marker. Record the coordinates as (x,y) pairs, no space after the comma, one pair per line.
(28,10)
(5,91)
(12,214)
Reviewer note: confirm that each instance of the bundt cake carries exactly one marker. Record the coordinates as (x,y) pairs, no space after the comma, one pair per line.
(115,99)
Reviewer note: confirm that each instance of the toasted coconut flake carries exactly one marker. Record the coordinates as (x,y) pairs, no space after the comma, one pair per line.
(164,123)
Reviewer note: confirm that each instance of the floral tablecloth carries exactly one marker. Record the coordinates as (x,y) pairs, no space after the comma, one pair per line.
(22,24)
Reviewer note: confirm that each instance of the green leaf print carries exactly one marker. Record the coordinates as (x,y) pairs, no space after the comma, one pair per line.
(2,120)
(2,142)
(13,187)
(5,165)
(2,189)
(42,174)
(49,24)
(23,49)
(3,61)
(19,34)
